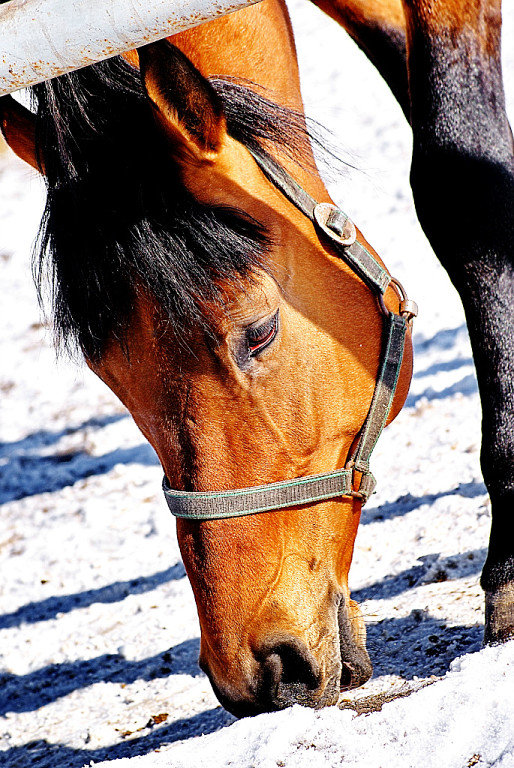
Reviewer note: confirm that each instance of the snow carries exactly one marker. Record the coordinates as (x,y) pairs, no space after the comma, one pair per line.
(98,628)
(453,723)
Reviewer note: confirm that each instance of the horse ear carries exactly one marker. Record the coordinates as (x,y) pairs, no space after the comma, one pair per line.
(18,126)
(187,104)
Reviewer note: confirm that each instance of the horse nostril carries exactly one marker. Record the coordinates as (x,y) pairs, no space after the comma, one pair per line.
(290,673)
(355,673)
(347,678)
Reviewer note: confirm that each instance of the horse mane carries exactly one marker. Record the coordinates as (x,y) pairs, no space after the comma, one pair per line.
(118,219)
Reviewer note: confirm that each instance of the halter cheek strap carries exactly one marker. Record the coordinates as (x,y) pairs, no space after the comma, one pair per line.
(356,478)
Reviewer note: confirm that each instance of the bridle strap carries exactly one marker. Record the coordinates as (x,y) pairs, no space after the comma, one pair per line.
(355,479)
(395,329)
(336,225)
(262,498)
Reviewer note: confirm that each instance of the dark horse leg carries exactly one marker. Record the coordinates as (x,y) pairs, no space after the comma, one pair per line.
(463,183)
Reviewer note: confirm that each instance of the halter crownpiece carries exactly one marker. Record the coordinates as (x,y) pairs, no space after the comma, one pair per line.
(356,479)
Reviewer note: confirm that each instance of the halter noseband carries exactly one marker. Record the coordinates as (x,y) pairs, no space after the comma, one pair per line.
(355,479)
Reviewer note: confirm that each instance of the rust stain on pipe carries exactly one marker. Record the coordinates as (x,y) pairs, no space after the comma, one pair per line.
(41,39)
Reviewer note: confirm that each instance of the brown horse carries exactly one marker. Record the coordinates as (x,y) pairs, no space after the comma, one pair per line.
(258,362)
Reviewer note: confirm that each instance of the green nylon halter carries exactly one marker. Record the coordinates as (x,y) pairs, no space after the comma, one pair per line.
(355,479)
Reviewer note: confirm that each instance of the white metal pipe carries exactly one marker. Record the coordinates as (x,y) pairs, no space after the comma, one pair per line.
(40,39)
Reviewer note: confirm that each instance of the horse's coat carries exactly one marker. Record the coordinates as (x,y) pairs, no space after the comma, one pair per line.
(278,625)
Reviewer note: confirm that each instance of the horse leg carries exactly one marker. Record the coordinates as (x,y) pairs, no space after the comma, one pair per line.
(378,28)
(462,178)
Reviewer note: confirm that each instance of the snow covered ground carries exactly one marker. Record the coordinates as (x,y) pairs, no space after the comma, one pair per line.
(98,629)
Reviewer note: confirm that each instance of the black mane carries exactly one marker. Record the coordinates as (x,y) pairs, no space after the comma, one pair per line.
(117,215)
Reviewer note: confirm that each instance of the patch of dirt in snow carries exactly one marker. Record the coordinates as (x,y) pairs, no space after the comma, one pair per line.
(98,630)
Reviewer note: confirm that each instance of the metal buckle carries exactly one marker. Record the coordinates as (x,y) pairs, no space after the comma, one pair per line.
(322,213)
(408,307)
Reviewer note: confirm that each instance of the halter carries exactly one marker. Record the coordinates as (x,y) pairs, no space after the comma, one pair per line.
(356,479)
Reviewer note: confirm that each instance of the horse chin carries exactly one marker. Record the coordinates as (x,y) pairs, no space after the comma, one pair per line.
(356,667)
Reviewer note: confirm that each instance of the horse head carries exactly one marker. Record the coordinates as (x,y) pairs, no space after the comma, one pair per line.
(244,347)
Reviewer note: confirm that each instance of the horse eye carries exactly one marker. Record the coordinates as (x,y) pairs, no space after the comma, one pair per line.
(260,337)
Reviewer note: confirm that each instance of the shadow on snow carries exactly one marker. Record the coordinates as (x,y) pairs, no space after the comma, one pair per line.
(444,339)
(27,693)
(429,569)
(466,386)
(46,437)
(25,471)
(404,504)
(419,645)
(47,755)
(449,365)
(44,610)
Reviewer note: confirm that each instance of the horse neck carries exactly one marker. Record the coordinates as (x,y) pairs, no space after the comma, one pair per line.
(255,44)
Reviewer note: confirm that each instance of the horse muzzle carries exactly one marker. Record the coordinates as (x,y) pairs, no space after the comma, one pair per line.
(283,671)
